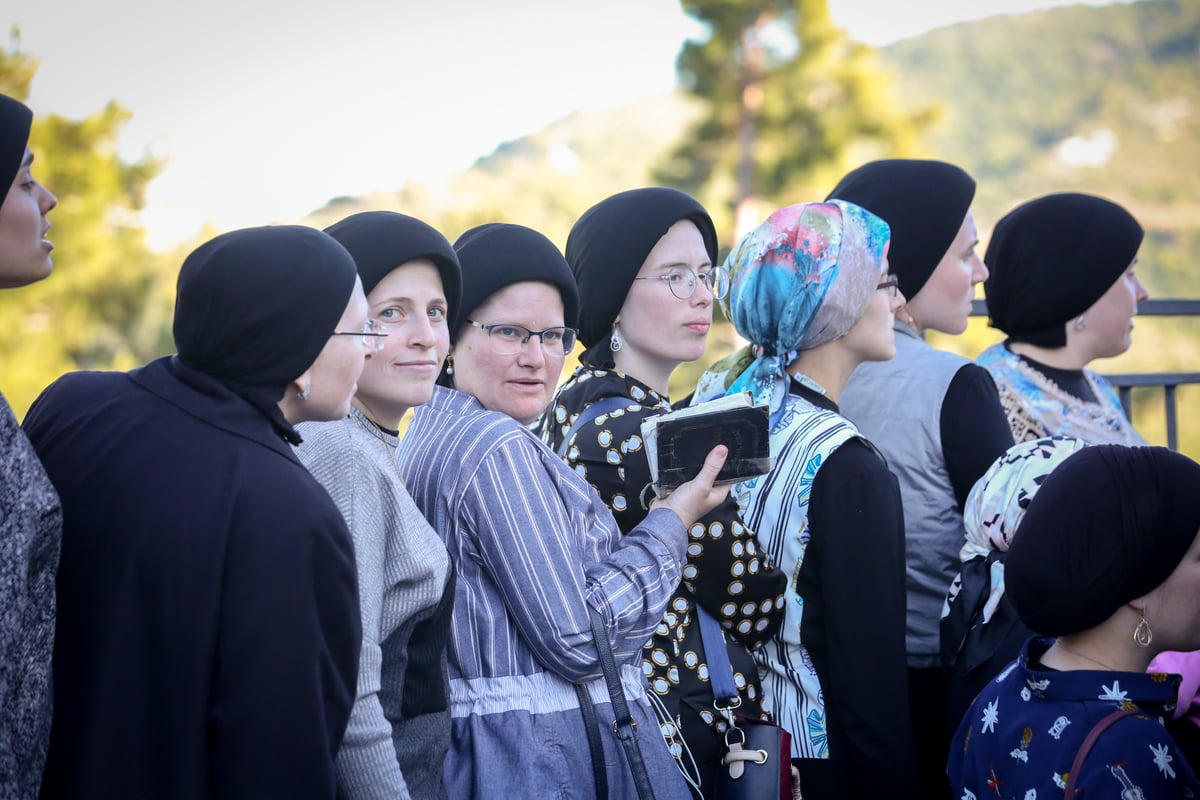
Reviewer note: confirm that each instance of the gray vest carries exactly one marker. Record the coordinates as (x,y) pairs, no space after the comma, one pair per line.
(897,405)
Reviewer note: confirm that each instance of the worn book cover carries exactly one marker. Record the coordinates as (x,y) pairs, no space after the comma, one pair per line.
(678,442)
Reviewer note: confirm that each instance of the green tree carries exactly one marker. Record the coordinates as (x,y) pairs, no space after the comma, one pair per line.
(107,303)
(793,103)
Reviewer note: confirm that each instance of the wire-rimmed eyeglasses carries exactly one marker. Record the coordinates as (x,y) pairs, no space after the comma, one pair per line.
(891,283)
(683,282)
(372,336)
(508,339)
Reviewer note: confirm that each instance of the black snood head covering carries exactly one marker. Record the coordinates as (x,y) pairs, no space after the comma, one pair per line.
(608,245)
(380,241)
(1053,257)
(924,203)
(15,121)
(1109,524)
(499,254)
(255,307)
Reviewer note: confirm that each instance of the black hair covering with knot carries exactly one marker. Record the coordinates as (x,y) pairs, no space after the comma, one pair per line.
(255,307)
(380,241)
(924,202)
(15,121)
(499,254)
(1051,258)
(1108,525)
(608,245)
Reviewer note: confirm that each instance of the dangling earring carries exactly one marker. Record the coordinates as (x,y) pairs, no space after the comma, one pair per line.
(449,363)
(1142,635)
(614,343)
(1079,323)
(306,392)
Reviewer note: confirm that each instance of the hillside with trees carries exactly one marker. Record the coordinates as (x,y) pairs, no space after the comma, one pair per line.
(773,107)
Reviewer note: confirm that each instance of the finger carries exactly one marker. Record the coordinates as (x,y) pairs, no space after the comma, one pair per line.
(712,464)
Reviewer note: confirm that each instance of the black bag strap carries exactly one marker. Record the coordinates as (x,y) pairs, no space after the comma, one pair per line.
(623,726)
(602,406)
(591,724)
(1088,742)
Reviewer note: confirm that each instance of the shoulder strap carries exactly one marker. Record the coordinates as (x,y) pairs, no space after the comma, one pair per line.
(624,725)
(1087,745)
(716,656)
(603,406)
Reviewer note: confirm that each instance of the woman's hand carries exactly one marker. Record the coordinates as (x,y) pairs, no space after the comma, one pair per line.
(692,500)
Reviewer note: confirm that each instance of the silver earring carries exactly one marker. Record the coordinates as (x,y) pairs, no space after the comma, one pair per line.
(1079,323)
(1142,635)
(306,392)
(614,343)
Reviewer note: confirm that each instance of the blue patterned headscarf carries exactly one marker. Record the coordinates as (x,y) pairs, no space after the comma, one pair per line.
(801,279)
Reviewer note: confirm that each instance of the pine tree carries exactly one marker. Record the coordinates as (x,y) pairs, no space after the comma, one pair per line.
(793,104)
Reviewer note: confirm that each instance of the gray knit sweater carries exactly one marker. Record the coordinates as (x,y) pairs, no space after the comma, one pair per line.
(30,539)
(399,731)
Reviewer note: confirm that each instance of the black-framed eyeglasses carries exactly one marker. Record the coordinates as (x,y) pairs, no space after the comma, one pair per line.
(371,337)
(891,283)
(507,339)
(682,281)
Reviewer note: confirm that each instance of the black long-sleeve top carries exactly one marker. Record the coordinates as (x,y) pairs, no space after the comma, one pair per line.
(852,582)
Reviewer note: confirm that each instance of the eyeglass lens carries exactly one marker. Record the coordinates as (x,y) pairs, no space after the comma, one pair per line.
(682,282)
(510,339)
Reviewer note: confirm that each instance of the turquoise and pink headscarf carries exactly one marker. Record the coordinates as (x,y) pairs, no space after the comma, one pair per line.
(800,279)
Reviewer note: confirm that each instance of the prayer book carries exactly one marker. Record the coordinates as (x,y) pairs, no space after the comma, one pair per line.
(677,442)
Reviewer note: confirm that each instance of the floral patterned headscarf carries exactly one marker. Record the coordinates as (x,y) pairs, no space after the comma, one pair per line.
(801,279)
(997,503)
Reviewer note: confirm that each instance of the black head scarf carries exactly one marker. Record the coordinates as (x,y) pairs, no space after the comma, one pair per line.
(255,307)
(1053,257)
(380,241)
(924,203)
(607,247)
(15,121)
(499,254)
(1108,525)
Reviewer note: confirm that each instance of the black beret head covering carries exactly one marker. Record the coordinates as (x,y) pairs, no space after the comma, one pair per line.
(924,202)
(608,245)
(255,307)
(15,121)
(380,241)
(499,254)
(1051,258)
(1109,524)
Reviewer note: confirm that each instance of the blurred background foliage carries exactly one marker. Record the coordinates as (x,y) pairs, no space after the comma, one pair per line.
(772,108)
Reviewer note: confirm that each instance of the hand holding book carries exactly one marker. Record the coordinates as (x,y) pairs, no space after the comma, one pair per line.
(677,442)
(695,498)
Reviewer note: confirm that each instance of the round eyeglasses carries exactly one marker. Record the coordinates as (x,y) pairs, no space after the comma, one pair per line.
(891,283)
(508,339)
(372,336)
(682,281)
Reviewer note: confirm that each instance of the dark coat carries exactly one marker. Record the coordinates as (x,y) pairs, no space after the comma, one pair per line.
(208,625)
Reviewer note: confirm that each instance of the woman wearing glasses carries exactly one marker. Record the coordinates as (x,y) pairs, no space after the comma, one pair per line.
(934,415)
(208,625)
(644,259)
(811,293)
(533,544)
(399,729)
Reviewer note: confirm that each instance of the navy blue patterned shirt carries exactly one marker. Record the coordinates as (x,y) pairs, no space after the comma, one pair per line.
(1020,736)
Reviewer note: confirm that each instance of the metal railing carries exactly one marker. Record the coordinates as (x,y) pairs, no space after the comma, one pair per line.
(1127,382)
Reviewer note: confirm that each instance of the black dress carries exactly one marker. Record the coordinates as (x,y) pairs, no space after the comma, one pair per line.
(208,626)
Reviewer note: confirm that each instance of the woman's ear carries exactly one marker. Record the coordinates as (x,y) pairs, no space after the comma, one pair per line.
(294,397)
